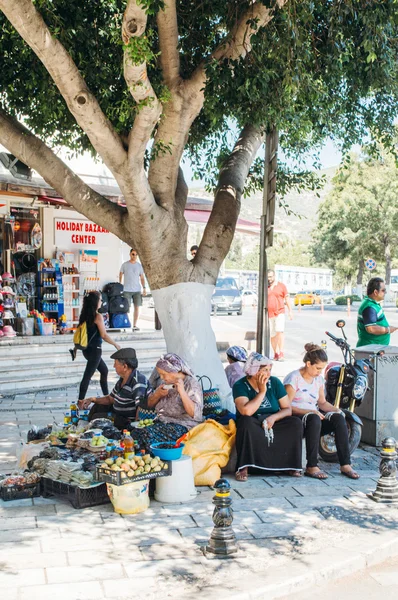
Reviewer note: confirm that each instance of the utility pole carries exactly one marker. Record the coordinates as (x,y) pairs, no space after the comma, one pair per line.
(266,239)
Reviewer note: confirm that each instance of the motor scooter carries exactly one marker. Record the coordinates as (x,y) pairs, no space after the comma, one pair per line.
(345,387)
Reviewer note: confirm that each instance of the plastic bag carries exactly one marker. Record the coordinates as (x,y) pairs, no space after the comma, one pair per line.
(209,445)
(25,452)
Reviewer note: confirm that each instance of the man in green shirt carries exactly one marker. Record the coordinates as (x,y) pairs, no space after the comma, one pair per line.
(372,325)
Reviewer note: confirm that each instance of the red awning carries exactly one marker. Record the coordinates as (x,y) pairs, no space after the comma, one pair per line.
(192,216)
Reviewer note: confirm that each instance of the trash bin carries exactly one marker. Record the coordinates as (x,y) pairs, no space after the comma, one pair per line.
(379,409)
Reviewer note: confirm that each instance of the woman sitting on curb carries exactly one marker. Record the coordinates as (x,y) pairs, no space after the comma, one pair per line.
(267,436)
(236,355)
(305,388)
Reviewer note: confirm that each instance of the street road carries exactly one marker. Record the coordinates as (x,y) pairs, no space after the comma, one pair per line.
(309,325)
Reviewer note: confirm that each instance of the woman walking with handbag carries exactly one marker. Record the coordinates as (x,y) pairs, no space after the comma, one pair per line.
(96,332)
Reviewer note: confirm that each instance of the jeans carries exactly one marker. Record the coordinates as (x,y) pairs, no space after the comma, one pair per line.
(94,363)
(314,428)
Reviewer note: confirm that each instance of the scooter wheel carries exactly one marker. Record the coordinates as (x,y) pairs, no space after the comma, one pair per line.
(327,444)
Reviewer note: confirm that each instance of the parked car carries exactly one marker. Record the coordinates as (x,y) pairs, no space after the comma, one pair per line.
(326,295)
(226,297)
(249,298)
(306,298)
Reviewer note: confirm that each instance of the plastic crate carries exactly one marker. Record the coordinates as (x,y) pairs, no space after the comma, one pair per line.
(30,490)
(79,497)
(115,478)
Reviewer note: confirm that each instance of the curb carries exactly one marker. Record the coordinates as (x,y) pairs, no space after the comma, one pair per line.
(347,563)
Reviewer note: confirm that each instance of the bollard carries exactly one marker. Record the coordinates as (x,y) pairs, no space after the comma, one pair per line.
(348,307)
(322,307)
(222,541)
(387,486)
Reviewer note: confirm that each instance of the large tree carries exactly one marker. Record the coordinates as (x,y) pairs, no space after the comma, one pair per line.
(138,82)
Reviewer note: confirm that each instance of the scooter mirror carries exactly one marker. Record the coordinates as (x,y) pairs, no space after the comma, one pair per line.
(340,323)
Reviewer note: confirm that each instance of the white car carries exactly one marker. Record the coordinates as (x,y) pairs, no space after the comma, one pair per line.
(249,298)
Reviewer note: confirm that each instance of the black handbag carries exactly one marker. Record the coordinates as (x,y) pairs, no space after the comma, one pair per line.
(113,289)
(118,304)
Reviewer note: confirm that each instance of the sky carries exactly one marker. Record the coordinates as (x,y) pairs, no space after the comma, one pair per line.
(330,156)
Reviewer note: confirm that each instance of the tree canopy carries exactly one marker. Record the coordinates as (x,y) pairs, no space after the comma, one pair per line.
(359,219)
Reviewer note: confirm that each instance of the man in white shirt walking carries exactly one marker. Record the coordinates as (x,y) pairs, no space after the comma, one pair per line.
(133,274)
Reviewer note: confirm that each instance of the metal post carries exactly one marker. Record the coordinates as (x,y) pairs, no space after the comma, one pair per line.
(222,541)
(266,239)
(387,486)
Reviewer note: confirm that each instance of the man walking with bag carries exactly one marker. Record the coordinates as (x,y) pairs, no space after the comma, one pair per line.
(133,274)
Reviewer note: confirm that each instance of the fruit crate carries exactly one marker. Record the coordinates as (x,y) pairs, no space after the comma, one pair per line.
(115,477)
(15,492)
(79,497)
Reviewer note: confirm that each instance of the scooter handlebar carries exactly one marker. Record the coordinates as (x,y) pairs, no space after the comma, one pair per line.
(333,337)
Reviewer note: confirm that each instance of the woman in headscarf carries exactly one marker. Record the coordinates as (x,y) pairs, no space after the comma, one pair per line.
(268,438)
(236,355)
(178,401)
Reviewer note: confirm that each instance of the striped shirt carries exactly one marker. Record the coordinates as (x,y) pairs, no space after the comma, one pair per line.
(127,397)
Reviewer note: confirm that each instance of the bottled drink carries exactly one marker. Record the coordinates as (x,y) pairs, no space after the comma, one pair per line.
(324,345)
(73,413)
(127,444)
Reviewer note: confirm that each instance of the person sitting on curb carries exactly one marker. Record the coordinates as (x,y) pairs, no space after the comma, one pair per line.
(130,390)
(305,389)
(268,438)
(236,355)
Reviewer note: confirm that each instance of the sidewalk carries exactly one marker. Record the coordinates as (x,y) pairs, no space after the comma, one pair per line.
(293,533)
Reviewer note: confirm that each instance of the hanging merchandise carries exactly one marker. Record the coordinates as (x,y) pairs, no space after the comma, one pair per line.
(8,331)
(8,277)
(8,290)
(36,236)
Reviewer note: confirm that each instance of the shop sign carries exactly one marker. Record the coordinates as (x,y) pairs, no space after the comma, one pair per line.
(70,232)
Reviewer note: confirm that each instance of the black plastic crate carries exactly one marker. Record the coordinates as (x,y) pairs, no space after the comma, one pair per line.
(77,496)
(30,490)
(115,478)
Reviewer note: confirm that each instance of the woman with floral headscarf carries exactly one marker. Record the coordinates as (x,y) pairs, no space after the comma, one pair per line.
(236,355)
(268,438)
(178,401)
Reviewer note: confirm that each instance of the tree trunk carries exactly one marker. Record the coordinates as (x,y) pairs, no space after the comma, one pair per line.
(387,256)
(360,274)
(184,311)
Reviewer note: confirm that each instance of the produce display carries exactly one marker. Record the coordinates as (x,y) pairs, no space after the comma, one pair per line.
(120,471)
(160,432)
(98,440)
(20,481)
(144,423)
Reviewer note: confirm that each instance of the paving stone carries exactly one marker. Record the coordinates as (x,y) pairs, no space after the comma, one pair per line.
(17,577)
(27,547)
(23,523)
(90,573)
(107,553)
(13,503)
(22,535)
(73,543)
(170,551)
(338,490)
(127,588)
(9,593)
(286,492)
(175,522)
(63,591)
(35,560)
(314,502)
(26,511)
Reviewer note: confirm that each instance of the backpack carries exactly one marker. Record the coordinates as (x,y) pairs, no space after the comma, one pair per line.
(120,321)
(80,337)
(113,289)
(118,304)
(105,303)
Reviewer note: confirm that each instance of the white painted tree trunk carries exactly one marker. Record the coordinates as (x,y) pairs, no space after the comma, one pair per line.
(184,312)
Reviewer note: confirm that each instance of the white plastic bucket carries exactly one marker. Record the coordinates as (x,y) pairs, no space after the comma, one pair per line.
(48,329)
(179,486)
(131,498)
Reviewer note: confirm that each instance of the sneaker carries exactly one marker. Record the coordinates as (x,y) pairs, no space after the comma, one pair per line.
(135,328)
(276,356)
(281,357)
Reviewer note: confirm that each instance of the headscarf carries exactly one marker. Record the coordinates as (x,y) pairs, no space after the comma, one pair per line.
(254,362)
(238,353)
(171,363)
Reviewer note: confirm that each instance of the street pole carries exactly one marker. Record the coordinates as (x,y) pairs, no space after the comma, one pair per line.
(266,239)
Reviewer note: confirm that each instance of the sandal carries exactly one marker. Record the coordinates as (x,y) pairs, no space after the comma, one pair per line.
(316,475)
(294,473)
(351,474)
(241,476)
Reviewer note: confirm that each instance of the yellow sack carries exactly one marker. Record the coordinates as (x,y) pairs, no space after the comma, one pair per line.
(209,445)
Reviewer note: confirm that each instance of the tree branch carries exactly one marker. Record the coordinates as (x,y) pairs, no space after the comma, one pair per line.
(237,43)
(33,152)
(136,77)
(81,103)
(220,228)
(168,41)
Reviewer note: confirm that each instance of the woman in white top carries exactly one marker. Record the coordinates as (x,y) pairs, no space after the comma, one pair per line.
(305,389)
